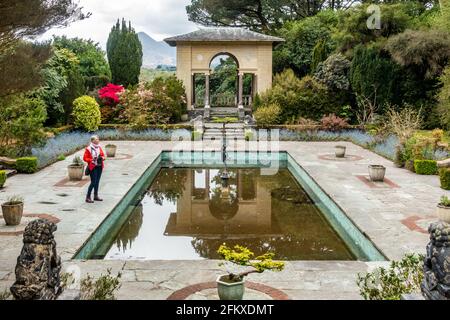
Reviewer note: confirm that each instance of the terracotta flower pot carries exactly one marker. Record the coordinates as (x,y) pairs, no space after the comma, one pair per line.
(377,173)
(75,172)
(12,213)
(340,151)
(111,151)
(443,213)
(230,290)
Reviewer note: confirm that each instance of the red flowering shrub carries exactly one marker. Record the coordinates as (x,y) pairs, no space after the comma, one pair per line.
(110,97)
(110,94)
(333,123)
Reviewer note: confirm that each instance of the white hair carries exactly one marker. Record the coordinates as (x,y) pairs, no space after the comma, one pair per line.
(93,138)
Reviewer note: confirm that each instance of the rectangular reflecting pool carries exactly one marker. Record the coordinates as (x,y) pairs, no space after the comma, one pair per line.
(186,205)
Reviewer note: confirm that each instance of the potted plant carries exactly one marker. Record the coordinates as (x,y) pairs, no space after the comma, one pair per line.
(231,286)
(377,172)
(340,151)
(13,210)
(111,150)
(443,209)
(76,169)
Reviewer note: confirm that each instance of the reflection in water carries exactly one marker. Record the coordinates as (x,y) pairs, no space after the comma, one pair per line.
(189,213)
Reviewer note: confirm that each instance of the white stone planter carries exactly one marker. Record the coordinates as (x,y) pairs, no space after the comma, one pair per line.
(111,150)
(377,173)
(75,172)
(340,151)
(443,213)
(230,290)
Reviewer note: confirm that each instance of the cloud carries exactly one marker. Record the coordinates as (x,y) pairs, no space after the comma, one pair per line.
(158,18)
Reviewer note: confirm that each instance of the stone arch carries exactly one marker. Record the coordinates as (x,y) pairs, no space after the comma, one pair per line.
(224,53)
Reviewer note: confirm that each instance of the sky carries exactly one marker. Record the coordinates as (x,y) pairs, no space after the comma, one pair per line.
(157,18)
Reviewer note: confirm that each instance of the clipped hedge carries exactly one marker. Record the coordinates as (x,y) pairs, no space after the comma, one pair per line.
(2,178)
(425,167)
(444,175)
(27,165)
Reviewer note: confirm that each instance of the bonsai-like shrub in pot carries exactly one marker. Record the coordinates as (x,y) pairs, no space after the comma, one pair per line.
(443,209)
(377,173)
(231,286)
(76,169)
(111,150)
(12,210)
(340,151)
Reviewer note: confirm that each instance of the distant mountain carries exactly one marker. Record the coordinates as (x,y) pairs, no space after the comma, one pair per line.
(156,52)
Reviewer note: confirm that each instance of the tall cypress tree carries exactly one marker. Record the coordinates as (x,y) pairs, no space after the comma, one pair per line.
(124,52)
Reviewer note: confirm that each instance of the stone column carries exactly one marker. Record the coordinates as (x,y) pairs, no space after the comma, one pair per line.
(193,102)
(240,90)
(207,102)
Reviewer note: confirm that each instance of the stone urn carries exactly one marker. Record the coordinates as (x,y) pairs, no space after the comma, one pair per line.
(111,150)
(185,117)
(443,213)
(76,169)
(12,211)
(377,173)
(340,151)
(228,290)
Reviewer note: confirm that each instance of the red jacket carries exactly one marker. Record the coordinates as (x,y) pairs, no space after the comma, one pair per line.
(88,158)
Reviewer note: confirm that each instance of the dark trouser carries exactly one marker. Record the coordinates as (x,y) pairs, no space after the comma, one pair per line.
(96,174)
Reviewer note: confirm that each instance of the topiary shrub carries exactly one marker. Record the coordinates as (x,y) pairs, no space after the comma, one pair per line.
(269,115)
(425,167)
(27,165)
(86,113)
(444,175)
(2,178)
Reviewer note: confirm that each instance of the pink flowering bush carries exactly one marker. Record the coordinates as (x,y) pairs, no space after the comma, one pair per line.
(162,101)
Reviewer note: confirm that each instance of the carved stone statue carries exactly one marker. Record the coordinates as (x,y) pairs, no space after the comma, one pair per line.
(436,283)
(38,266)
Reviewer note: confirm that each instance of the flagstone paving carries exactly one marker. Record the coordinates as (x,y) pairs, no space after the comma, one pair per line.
(394,215)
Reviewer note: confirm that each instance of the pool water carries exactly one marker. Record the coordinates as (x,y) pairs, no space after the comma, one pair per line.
(187,213)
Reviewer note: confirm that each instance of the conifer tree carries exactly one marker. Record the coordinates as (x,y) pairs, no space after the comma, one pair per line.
(124,52)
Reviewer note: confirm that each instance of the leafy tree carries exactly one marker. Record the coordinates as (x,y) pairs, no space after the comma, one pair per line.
(63,84)
(352,27)
(30,18)
(425,51)
(257,15)
(93,65)
(301,38)
(20,67)
(124,54)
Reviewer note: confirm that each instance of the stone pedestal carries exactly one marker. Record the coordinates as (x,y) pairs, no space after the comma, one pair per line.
(38,266)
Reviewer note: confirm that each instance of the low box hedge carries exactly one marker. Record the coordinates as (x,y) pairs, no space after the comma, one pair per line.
(27,165)
(2,178)
(444,175)
(425,167)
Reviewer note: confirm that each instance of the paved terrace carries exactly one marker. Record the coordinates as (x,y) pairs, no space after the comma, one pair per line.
(394,215)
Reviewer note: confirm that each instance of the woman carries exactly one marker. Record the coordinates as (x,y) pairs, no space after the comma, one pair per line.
(94,157)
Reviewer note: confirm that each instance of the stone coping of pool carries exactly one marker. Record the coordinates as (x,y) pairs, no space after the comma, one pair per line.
(381,213)
(100,241)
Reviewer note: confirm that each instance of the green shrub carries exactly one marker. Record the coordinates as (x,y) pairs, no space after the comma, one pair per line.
(104,288)
(2,178)
(425,167)
(402,277)
(444,175)
(86,113)
(269,115)
(27,165)
(21,124)
(409,165)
